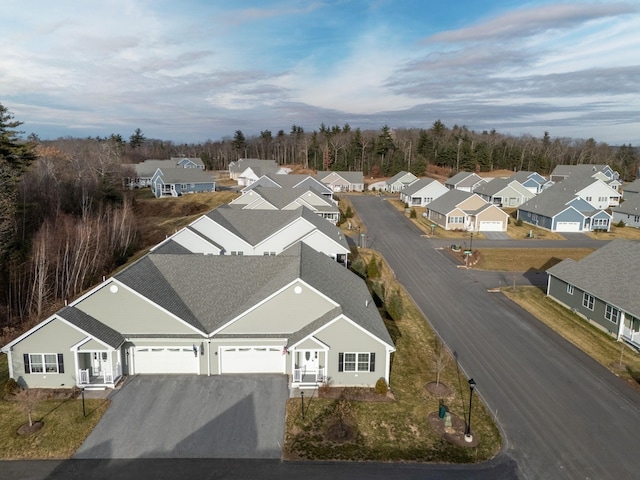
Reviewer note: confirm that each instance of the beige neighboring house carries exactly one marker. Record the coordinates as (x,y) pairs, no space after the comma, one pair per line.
(342,181)
(459,210)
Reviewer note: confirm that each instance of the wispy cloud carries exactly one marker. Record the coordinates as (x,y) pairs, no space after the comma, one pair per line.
(205,69)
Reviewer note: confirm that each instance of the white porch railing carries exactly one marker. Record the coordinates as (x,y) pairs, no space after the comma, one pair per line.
(317,375)
(83,375)
(630,335)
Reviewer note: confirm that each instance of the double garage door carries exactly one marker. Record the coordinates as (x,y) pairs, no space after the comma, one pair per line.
(252,360)
(491,226)
(568,227)
(165,360)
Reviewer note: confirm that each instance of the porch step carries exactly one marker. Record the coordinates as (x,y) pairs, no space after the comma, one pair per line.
(94,388)
(307,386)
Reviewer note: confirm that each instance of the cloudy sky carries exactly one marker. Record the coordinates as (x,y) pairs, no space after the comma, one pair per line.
(193,70)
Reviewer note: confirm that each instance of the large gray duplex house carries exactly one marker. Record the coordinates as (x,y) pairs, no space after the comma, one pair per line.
(299,313)
(606,296)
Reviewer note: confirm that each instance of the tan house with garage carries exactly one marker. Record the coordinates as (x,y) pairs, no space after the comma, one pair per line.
(460,210)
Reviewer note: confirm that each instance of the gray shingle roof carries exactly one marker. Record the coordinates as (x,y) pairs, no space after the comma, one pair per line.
(493,187)
(171,247)
(185,175)
(242,164)
(467,177)
(448,201)
(398,176)
(611,273)
(630,206)
(92,326)
(351,177)
(281,197)
(554,199)
(581,169)
(145,278)
(633,187)
(417,186)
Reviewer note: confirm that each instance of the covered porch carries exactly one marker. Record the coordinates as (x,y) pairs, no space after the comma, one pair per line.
(309,368)
(630,331)
(97,367)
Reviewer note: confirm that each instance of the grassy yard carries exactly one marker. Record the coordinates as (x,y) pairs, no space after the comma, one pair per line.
(526,259)
(616,356)
(159,217)
(64,429)
(628,233)
(397,430)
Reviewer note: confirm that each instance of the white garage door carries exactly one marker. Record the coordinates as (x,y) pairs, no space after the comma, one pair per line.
(165,360)
(568,227)
(252,360)
(495,226)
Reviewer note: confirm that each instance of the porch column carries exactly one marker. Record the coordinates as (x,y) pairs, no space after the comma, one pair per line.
(620,325)
(77,365)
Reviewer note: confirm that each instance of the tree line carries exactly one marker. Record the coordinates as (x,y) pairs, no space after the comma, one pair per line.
(65,220)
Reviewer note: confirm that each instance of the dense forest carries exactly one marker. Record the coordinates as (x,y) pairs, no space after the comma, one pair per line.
(65,220)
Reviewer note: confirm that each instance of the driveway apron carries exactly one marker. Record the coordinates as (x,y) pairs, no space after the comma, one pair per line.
(189,416)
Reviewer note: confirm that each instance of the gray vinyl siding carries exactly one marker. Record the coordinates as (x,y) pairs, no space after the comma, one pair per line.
(558,290)
(535,219)
(342,336)
(128,313)
(53,338)
(93,345)
(285,313)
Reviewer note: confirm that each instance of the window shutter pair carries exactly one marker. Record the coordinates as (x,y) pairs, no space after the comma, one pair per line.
(372,362)
(27,363)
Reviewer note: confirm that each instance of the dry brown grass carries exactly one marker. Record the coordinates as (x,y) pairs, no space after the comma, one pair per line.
(398,430)
(158,217)
(526,259)
(627,233)
(590,339)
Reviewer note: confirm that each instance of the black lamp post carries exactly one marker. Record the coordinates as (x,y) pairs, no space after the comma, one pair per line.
(471,243)
(302,399)
(84,411)
(467,436)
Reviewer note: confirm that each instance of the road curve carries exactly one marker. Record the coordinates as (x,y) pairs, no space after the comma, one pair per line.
(562,414)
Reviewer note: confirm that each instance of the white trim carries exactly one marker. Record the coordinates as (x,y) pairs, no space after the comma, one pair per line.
(207,218)
(268,298)
(342,316)
(89,337)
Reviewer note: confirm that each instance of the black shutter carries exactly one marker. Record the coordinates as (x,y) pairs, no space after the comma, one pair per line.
(372,362)
(341,362)
(60,363)
(27,366)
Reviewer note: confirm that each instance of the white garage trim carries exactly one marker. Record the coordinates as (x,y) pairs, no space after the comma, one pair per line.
(491,226)
(251,359)
(172,359)
(568,227)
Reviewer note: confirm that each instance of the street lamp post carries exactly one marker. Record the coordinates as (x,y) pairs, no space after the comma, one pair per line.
(467,436)
(302,401)
(471,243)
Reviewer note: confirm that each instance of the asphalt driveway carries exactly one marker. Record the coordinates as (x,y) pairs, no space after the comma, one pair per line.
(188,416)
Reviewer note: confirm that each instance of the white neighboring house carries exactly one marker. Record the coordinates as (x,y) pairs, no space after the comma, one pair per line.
(399,182)
(263,198)
(232,231)
(422,192)
(464,181)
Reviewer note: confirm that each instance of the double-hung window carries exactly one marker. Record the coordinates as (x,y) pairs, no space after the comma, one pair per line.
(588,301)
(356,362)
(569,289)
(43,363)
(612,314)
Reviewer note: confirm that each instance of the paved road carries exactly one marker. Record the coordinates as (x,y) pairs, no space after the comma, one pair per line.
(563,416)
(189,416)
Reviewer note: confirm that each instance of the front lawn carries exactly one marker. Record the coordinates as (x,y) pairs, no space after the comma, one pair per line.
(397,430)
(526,259)
(64,426)
(616,356)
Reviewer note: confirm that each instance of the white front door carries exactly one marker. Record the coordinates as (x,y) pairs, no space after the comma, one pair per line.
(309,361)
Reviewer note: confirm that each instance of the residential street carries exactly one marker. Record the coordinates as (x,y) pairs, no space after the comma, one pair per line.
(563,416)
